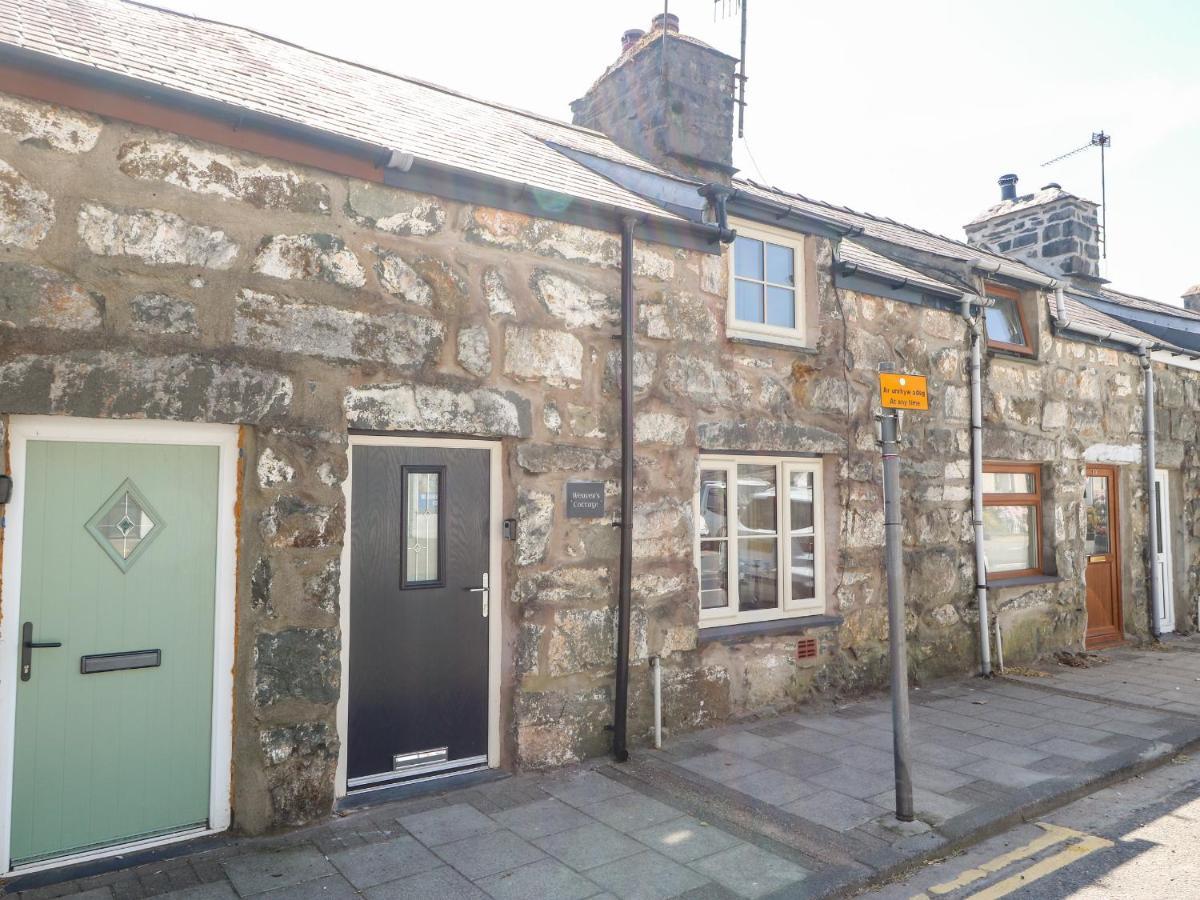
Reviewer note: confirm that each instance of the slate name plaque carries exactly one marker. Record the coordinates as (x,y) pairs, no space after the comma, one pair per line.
(585,499)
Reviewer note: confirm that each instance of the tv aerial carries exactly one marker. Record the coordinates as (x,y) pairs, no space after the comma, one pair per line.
(1103,141)
(723,9)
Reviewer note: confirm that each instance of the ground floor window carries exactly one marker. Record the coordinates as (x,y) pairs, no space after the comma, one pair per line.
(1012,519)
(759,539)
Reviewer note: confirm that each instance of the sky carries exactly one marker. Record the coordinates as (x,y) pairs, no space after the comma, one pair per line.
(910,110)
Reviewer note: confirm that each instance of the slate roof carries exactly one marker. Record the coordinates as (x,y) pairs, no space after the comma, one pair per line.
(248,70)
(879,227)
(1051,193)
(869,260)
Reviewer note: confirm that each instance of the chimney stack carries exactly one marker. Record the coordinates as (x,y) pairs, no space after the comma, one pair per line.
(667,99)
(1191,298)
(1051,230)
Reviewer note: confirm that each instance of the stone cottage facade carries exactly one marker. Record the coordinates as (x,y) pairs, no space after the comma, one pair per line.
(176,250)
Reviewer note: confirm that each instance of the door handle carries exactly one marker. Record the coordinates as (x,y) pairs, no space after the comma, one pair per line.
(482,590)
(28,644)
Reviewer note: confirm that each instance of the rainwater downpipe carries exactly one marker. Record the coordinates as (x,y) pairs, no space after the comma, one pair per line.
(1151,465)
(621,702)
(981,591)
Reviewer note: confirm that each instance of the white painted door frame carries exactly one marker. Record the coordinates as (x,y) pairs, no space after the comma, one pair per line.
(23,429)
(1164,603)
(495,617)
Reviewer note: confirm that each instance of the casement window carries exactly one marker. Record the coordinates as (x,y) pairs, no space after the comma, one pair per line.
(1012,519)
(759,539)
(1005,323)
(766,291)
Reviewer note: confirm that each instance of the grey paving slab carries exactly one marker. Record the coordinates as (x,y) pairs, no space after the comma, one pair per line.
(772,786)
(750,871)
(547,879)
(647,876)
(1075,749)
(873,737)
(583,787)
(936,778)
(685,839)
(1006,752)
(723,767)
(447,824)
(811,740)
(1004,773)
(868,758)
(541,818)
(217,890)
(928,806)
(437,884)
(258,872)
(839,812)
(831,724)
(631,812)
(858,783)
(331,887)
(799,763)
(589,846)
(374,864)
(1133,729)
(946,757)
(1079,733)
(744,743)
(487,854)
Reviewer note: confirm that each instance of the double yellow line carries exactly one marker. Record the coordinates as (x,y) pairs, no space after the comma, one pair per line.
(1055,834)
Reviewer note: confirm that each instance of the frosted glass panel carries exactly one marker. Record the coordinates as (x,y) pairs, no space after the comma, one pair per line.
(421,527)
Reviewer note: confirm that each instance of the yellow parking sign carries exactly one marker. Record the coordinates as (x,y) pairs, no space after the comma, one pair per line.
(903,391)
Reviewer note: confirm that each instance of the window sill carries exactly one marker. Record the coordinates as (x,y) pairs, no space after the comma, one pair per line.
(766,340)
(999,584)
(1013,355)
(744,631)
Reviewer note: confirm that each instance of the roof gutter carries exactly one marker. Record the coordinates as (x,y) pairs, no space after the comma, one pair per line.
(769,212)
(1066,323)
(1013,271)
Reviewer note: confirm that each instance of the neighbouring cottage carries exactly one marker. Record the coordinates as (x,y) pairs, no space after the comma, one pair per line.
(312,411)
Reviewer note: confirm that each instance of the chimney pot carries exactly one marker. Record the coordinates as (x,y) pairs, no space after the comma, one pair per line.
(1052,186)
(665,22)
(631,37)
(1008,187)
(1191,298)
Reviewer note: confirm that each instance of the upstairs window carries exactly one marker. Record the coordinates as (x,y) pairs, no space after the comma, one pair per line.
(759,539)
(766,292)
(1012,519)
(1005,322)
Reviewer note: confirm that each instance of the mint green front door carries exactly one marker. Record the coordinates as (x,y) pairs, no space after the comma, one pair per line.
(113,728)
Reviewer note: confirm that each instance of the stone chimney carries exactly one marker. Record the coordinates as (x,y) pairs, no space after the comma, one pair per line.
(1191,298)
(1051,230)
(672,108)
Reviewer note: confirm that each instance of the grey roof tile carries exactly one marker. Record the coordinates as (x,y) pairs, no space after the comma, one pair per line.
(251,71)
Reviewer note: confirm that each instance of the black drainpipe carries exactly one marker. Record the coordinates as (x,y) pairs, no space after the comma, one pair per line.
(621,711)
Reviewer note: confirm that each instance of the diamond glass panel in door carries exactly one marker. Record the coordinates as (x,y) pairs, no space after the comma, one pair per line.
(124,524)
(713,529)
(422,531)
(1095,504)
(803,538)
(758,538)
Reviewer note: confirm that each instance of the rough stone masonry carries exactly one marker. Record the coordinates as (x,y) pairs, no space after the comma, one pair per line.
(145,275)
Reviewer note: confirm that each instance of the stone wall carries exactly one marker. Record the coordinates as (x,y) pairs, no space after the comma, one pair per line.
(145,275)
(1053,231)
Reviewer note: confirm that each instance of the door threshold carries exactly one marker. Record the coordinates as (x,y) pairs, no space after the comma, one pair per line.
(97,861)
(415,787)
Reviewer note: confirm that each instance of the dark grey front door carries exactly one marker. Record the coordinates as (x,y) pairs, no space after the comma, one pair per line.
(418,619)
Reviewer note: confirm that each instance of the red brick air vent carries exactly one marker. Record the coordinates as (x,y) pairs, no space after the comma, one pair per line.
(806,648)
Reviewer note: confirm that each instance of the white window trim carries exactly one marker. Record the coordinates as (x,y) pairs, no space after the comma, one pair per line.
(758,331)
(790,608)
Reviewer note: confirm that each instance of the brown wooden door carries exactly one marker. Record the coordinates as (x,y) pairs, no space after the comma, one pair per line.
(1101,543)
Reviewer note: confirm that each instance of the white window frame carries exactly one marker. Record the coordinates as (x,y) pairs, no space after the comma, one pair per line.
(759,331)
(789,608)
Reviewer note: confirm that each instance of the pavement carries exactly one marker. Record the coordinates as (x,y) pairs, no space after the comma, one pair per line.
(1135,839)
(793,805)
